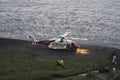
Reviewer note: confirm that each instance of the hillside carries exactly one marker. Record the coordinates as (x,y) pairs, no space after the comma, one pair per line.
(19,60)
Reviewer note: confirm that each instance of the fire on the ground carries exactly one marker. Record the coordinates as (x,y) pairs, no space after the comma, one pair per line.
(82,51)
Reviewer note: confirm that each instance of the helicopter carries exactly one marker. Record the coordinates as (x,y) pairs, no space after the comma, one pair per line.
(62,42)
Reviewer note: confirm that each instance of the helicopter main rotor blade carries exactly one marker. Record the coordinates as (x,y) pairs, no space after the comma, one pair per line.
(65,34)
(79,39)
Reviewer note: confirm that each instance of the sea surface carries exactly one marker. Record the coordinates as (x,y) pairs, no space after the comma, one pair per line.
(96,20)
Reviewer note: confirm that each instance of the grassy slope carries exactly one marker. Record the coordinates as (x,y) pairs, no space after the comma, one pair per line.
(117,77)
(19,66)
(80,78)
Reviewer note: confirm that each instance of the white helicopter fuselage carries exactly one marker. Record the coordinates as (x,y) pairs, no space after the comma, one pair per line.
(58,44)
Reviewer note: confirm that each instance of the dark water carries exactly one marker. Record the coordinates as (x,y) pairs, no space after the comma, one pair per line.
(97,20)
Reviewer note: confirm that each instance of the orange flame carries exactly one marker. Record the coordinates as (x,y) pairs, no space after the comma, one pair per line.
(82,51)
